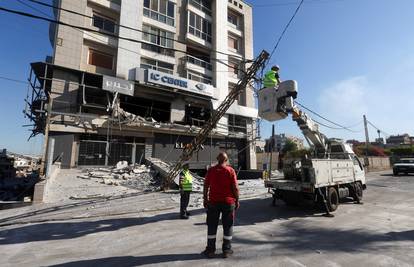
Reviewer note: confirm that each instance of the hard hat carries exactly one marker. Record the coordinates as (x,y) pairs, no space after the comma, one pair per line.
(275,67)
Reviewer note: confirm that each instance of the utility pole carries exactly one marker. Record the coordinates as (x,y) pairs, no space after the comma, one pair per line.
(366,140)
(272,141)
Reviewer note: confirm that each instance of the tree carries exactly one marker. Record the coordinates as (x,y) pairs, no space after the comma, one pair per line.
(289,146)
(374,151)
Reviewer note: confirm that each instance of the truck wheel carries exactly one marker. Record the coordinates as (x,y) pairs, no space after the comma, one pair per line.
(333,199)
(357,194)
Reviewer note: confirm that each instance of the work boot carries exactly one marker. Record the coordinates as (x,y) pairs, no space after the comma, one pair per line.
(227,253)
(209,253)
(187,213)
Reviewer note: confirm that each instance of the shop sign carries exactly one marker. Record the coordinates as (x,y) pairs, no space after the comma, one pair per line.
(172,81)
(121,86)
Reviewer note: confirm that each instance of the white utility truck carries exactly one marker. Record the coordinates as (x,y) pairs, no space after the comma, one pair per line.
(330,173)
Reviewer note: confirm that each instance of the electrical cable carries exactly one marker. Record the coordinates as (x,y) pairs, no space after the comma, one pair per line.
(295,3)
(285,29)
(377,128)
(322,117)
(13,80)
(127,27)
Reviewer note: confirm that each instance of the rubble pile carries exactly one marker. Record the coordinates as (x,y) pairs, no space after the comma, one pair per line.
(133,176)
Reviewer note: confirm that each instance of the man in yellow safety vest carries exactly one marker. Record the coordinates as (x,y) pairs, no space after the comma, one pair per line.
(271,78)
(186,186)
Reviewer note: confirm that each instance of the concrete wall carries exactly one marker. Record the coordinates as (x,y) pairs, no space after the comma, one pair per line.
(379,163)
(42,187)
(262,158)
(63,146)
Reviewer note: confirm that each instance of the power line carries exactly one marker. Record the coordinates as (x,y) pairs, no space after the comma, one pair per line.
(285,29)
(13,80)
(295,3)
(24,14)
(127,27)
(377,128)
(324,118)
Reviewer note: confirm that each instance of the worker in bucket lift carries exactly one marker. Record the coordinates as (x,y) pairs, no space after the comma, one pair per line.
(186,186)
(271,78)
(221,196)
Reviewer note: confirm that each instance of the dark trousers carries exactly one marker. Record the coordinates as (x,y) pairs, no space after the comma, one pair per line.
(184,200)
(227,219)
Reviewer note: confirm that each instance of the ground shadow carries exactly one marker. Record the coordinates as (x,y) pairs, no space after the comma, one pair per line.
(5,221)
(128,261)
(302,238)
(69,230)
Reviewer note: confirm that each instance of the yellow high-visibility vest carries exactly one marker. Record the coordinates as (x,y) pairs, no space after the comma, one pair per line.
(269,79)
(187,183)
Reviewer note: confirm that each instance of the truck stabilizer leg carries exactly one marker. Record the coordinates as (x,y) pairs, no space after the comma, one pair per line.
(327,214)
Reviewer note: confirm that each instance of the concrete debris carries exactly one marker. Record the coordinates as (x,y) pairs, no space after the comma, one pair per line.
(122,165)
(139,177)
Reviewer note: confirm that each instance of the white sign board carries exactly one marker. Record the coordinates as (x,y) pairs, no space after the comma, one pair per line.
(168,80)
(121,86)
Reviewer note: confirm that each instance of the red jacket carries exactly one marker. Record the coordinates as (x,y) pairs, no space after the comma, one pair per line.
(220,181)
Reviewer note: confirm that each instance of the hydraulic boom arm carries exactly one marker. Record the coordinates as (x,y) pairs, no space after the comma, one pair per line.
(277,104)
(219,112)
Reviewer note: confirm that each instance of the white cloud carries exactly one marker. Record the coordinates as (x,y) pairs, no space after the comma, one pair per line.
(346,100)
(386,99)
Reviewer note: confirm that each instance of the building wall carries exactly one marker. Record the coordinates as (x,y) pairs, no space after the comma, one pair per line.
(68,45)
(72,51)
(129,52)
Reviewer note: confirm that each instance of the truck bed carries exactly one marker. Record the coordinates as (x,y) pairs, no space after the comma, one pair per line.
(289,185)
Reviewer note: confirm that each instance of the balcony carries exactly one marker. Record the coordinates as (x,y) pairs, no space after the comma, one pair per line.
(158,17)
(199,65)
(111,4)
(200,6)
(158,49)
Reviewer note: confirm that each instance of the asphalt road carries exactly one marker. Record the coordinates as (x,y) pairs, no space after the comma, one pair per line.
(380,232)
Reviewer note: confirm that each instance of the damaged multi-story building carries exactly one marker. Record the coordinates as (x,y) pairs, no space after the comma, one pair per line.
(143,81)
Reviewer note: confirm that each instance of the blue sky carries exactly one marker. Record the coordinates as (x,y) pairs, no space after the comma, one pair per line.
(350,57)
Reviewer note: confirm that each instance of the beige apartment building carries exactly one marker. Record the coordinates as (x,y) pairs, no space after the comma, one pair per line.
(100,98)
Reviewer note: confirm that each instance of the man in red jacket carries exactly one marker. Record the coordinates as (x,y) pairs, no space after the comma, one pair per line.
(221,196)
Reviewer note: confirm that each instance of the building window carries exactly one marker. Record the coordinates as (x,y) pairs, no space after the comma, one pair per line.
(160,10)
(199,27)
(160,40)
(203,5)
(233,43)
(234,68)
(233,19)
(192,75)
(237,124)
(157,65)
(103,23)
(100,59)
(157,36)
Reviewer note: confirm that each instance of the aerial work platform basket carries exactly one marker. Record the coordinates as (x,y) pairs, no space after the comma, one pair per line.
(274,102)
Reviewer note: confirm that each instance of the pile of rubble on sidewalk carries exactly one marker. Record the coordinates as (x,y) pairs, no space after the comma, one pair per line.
(140,177)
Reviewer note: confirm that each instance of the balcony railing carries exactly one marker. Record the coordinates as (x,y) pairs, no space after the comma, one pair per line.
(199,6)
(199,78)
(158,49)
(199,62)
(158,16)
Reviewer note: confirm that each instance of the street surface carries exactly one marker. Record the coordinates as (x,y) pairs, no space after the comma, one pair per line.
(136,229)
